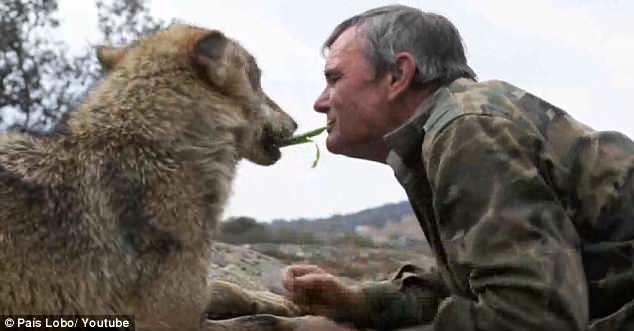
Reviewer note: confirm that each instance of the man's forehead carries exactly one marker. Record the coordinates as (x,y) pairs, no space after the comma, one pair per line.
(349,42)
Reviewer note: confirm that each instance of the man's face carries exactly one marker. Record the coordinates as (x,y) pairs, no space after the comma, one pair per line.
(354,100)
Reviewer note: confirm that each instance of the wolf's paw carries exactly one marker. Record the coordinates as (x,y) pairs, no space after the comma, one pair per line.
(263,322)
(267,322)
(229,301)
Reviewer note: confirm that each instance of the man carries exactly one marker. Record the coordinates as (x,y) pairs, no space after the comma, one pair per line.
(529,213)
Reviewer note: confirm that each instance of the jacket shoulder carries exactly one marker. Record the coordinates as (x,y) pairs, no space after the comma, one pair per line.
(465,97)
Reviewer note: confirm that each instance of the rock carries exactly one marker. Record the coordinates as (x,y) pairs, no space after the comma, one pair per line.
(246,267)
(350,262)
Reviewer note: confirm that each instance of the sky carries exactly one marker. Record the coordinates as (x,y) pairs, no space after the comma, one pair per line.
(576,54)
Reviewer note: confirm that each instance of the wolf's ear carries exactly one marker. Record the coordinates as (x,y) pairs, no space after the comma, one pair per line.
(210,57)
(212,45)
(109,56)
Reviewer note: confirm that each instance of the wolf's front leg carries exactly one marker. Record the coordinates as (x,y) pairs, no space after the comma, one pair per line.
(273,323)
(229,301)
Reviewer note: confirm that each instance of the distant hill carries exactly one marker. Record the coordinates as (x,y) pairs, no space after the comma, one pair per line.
(375,217)
(392,224)
(364,245)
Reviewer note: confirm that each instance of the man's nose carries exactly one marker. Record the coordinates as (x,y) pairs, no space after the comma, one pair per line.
(322,104)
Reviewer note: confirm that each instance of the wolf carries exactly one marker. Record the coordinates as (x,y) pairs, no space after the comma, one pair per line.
(114,211)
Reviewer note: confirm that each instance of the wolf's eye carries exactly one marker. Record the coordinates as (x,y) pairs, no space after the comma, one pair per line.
(253,73)
(254,77)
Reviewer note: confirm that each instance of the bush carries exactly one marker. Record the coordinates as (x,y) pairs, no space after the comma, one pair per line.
(246,230)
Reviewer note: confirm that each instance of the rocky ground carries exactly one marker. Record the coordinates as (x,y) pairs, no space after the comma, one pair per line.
(253,255)
(248,268)
(258,266)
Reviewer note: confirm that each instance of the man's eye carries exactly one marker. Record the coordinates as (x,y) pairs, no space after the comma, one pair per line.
(331,79)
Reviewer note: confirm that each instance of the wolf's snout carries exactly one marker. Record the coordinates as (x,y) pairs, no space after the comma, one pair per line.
(288,125)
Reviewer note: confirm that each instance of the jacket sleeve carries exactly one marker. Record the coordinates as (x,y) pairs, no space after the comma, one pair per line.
(410,297)
(510,247)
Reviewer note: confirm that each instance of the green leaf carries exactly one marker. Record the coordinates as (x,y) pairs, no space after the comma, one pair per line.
(316,156)
(305,138)
(302,138)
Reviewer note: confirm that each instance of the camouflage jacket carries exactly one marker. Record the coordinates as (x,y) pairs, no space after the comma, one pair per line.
(530,215)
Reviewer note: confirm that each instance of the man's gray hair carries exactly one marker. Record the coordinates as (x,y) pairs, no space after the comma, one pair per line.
(431,39)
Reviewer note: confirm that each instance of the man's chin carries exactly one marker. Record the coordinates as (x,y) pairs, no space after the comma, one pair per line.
(336,147)
(333,146)
(365,152)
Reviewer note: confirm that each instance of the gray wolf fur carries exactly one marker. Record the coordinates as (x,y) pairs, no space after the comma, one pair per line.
(114,213)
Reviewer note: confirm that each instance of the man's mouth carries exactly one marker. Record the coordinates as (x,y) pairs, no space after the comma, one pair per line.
(330,125)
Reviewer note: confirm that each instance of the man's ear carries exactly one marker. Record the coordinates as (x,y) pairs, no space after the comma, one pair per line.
(209,54)
(402,75)
(109,56)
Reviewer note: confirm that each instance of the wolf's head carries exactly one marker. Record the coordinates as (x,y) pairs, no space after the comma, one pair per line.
(201,82)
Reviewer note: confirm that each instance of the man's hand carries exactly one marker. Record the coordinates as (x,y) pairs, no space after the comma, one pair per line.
(318,292)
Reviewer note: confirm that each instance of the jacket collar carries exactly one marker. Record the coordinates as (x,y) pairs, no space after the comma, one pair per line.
(406,140)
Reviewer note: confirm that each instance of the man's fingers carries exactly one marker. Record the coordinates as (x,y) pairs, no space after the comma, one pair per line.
(290,273)
(311,282)
(313,289)
(304,269)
